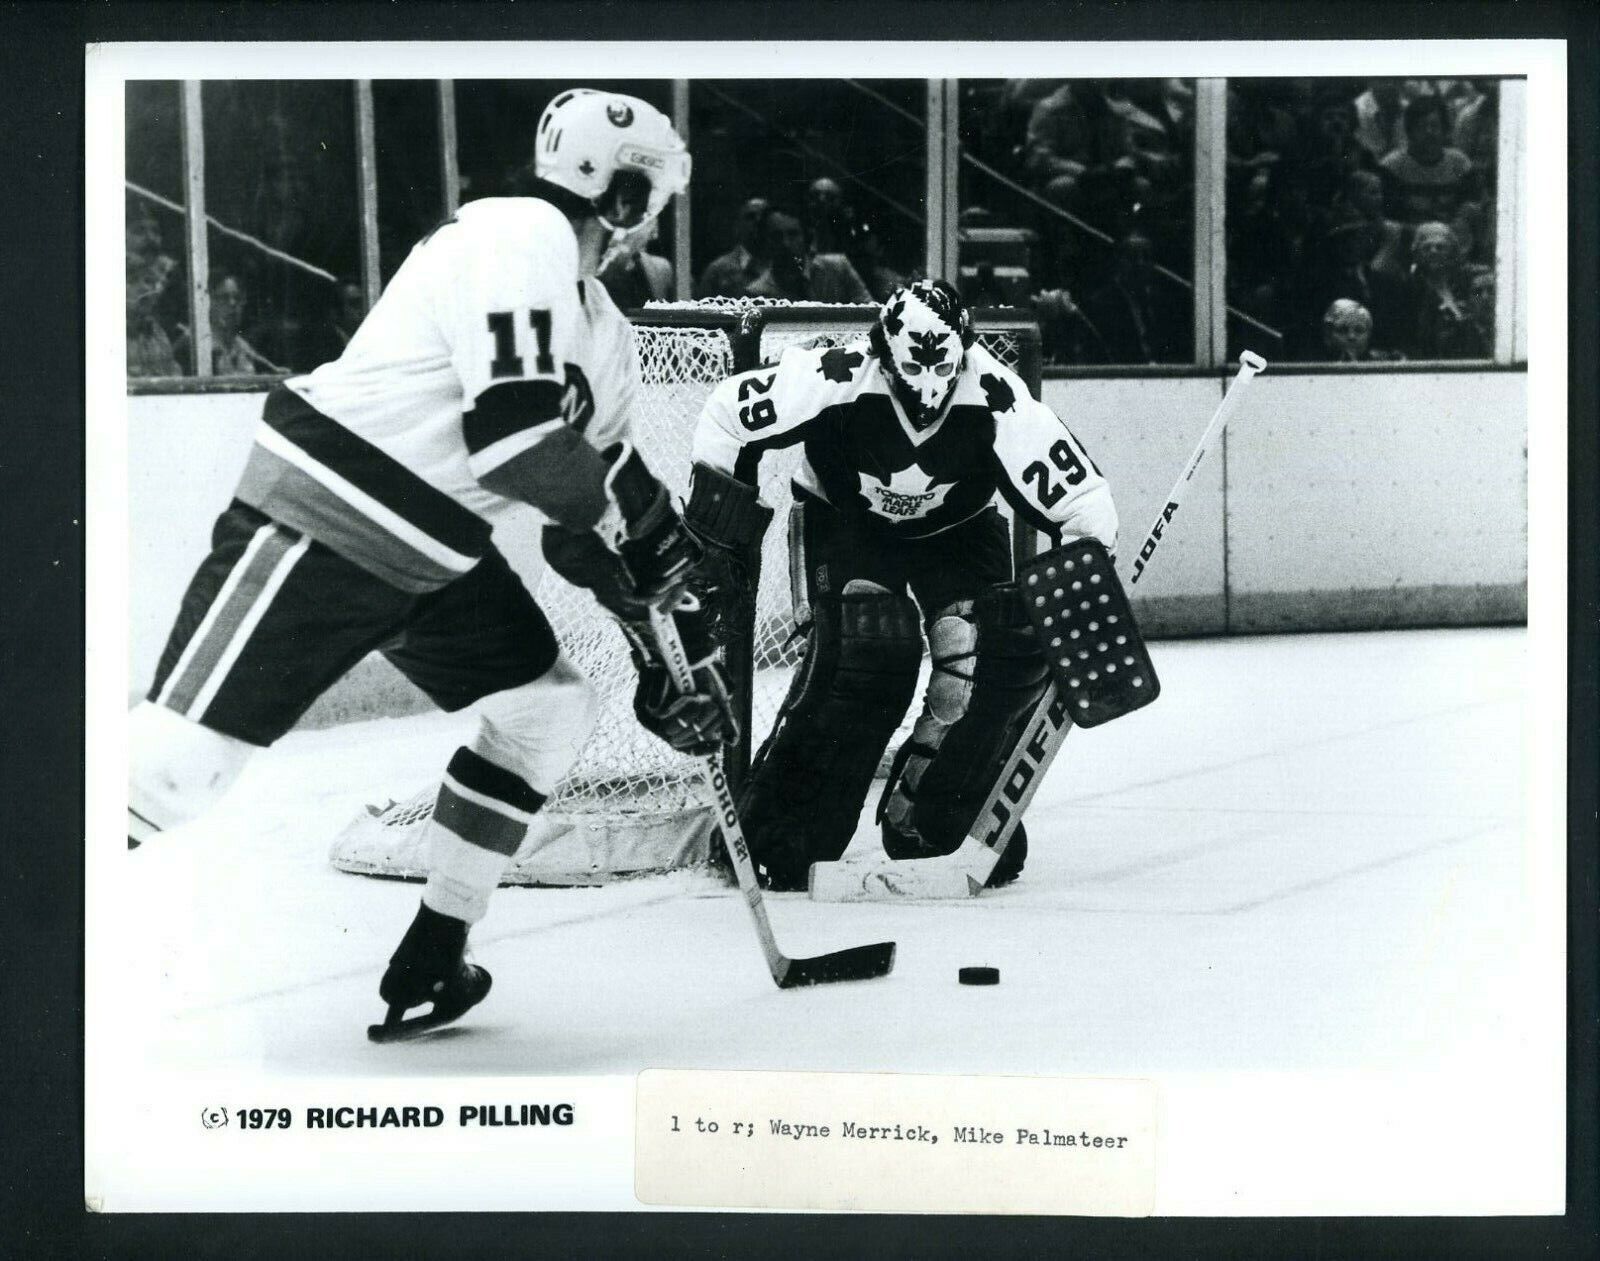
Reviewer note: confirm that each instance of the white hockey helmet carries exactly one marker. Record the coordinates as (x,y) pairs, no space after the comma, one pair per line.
(587,138)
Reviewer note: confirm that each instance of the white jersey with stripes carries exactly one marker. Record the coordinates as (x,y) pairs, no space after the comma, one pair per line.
(483,342)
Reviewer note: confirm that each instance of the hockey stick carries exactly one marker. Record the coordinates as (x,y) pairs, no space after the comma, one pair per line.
(858,963)
(964,872)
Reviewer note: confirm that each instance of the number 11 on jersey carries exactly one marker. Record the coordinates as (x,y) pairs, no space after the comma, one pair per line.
(507,362)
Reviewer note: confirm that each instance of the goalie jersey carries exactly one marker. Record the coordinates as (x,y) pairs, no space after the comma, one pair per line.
(402,453)
(864,457)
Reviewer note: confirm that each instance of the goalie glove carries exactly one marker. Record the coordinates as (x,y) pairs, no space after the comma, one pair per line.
(728,518)
(698,722)
(658,553)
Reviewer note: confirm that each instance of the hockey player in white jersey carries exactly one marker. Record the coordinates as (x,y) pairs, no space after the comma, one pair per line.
(494,373)
(909,436)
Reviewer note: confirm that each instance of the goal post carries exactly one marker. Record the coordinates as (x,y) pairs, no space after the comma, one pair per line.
(632,805)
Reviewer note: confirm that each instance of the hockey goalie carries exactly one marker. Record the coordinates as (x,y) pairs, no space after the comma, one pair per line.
(909,437)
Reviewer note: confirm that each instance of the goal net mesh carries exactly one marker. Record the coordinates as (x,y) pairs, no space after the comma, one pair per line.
(631,804)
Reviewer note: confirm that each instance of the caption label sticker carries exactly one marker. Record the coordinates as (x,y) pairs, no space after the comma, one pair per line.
(890,1142)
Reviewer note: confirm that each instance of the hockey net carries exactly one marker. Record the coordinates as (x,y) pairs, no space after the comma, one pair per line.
(631,805)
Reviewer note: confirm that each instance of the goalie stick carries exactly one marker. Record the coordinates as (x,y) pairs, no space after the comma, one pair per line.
(857,963)
(964,872)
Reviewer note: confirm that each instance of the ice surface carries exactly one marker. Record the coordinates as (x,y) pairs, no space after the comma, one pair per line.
(1309,854)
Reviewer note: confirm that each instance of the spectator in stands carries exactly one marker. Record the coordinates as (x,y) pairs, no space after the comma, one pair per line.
(1362,197)
(794,276)
(1380,113)
(1341,269)
(1430,178)
(829,218)
(1328,152)
(637,276)
(866,256)
(1000,141)
(1476,127)
(1347,334)
(1065,336)
(1474,228)
(730,275)
(1080,151)
(1437,319)
(1480,310)
(231,354)
(352,310)
(1378,129)
(149,271)
(1474,122)
(1138,317)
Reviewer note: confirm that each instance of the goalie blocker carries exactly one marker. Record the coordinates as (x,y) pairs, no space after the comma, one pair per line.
(1087,630)
(1100,670)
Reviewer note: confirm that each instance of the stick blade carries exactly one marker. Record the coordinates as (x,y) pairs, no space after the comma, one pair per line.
(859,963)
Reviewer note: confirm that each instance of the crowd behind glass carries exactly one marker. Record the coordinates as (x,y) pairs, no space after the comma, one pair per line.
(1360,214)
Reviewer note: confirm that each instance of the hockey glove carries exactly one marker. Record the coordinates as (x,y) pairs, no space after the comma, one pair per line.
(728,519)
(658,553)
(698,722)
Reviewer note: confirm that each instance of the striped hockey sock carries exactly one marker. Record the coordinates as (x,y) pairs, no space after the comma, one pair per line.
(479,821)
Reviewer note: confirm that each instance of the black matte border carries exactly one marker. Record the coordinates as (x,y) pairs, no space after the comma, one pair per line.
(41,639)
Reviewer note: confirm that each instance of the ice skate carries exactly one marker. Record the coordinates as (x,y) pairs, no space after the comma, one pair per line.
(429,967)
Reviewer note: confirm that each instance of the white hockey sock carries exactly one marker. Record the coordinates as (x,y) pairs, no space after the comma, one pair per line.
(479,821)
(176,768)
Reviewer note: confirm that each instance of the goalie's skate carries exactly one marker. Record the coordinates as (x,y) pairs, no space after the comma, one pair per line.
(429,967)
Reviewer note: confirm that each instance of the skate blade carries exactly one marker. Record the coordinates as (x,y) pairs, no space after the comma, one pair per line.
(397,1028)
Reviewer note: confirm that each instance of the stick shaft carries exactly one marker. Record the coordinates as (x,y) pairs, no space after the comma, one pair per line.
(1249,365)
(671,645)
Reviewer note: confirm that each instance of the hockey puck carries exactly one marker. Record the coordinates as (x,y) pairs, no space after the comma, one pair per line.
(979,976)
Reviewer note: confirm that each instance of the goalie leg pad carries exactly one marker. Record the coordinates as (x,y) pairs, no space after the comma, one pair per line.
(952,647)
(808,784)
(1086,626)
(1009,679)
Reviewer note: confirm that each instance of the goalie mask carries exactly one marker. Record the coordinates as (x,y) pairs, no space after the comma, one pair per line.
(920,341)
(618,153)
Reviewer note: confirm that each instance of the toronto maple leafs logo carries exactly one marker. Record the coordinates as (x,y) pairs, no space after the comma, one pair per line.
(927,348)
(620,113)
(839,364)
(999,395)
(906,496)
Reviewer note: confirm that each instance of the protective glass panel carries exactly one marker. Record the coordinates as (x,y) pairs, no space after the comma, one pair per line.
(154,240)
(281,190)
(809,190)
(405,123)
(1361,216)
(1076,200)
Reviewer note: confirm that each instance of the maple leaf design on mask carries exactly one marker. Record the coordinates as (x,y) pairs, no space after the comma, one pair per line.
(906,496)
(892,323)
(839,364)
(999,395)
(927,348)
